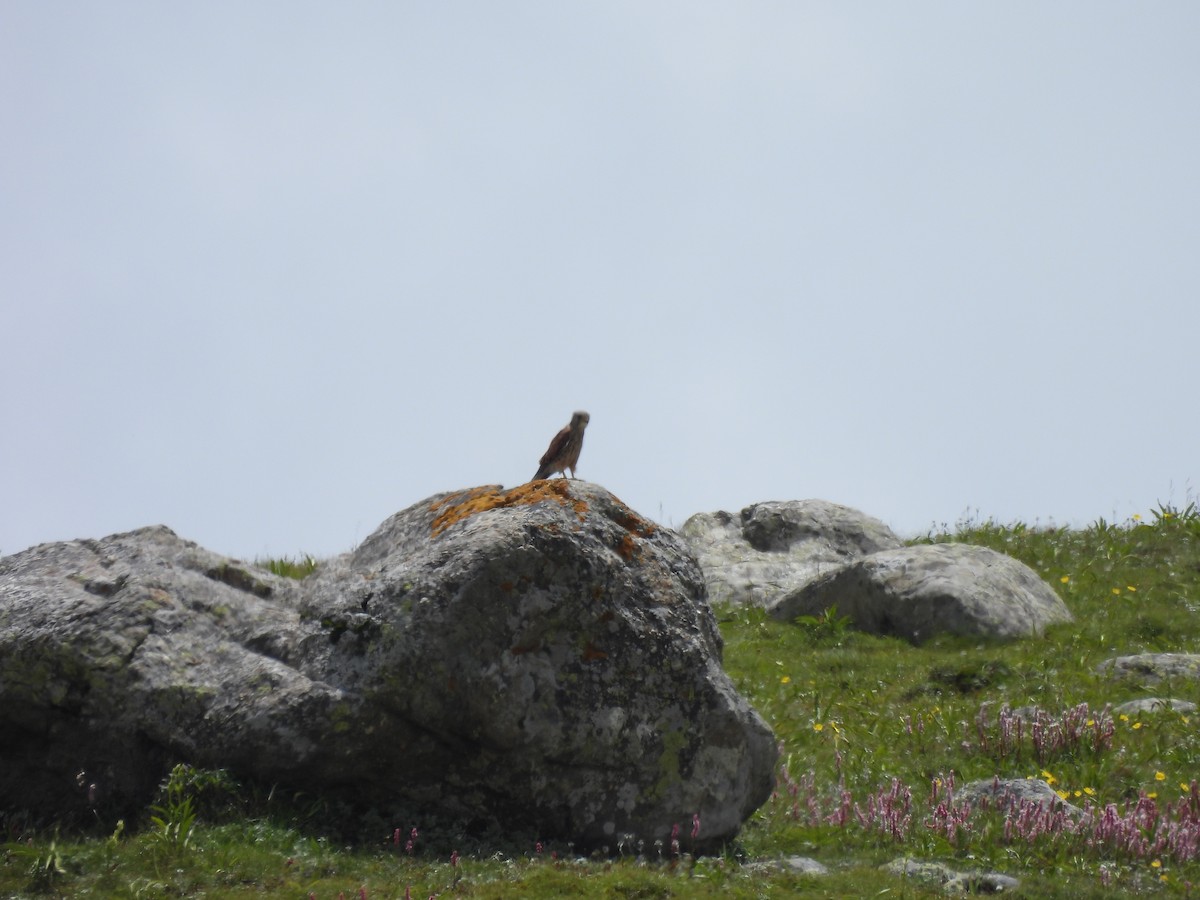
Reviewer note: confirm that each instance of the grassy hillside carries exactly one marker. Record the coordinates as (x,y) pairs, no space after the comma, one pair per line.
(876,736)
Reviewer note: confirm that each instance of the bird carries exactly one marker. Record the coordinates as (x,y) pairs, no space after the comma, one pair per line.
(563,452)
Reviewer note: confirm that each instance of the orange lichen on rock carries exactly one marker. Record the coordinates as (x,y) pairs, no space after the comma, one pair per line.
(458,507)
(632,522)
(635,527)
(626,546)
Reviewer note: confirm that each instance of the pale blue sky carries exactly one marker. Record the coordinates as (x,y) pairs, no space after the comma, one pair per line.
(272,271)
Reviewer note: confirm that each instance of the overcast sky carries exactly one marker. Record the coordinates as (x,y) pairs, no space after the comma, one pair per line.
(272,271)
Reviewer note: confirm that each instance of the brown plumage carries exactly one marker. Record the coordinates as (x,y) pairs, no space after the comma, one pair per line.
(563,453)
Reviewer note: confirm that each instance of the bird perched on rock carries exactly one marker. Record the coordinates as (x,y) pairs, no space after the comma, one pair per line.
(563,452)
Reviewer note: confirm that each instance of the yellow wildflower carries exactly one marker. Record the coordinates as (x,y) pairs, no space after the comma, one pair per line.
(1157,864)
(1048,778)
(1130,587)
(818,726)
(1123,717)
(1116,590)
(1137,725)
(1063,795)
(1091,792)
(1065,579)
(785,679)
(1160,776)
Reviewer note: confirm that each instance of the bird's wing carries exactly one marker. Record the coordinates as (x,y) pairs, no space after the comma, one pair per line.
(556,445)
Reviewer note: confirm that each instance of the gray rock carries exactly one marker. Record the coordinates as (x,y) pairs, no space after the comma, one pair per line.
(980,883)
(952,881)
(541,657)
(119,654)
(920,591)
(804,865)
(920,870)
(1151,668)
(796,865)
(1154,705)
(768,549)
(1005,792)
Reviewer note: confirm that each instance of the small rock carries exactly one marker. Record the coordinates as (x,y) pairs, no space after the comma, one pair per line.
(1001,792)
(920,870)
(953,882)
(981,883)
(1152,668)
(804,865)
(1153,705)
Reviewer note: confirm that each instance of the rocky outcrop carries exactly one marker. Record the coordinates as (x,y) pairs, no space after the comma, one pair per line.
(920,591)
(769,549)
(541,657)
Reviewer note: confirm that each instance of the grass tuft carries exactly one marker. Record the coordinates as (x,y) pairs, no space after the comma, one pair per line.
(286,567)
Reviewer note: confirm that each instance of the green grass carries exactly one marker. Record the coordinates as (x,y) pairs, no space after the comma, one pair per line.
(857,717)
(298,568)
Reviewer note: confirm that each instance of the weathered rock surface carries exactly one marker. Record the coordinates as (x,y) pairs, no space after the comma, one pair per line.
(117,654)
(920,591)
(769,549)
(1151,668)
(541,657)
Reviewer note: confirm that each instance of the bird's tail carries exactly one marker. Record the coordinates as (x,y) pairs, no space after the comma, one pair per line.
(543,472)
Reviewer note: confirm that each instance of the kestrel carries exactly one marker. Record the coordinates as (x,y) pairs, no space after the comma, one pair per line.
(563,453)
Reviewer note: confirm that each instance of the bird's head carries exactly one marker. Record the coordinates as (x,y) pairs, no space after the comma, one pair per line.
(579,420)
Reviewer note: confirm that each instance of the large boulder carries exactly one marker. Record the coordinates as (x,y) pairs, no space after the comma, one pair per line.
(541,657)
(770,549)
(121,654)
(928,589)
